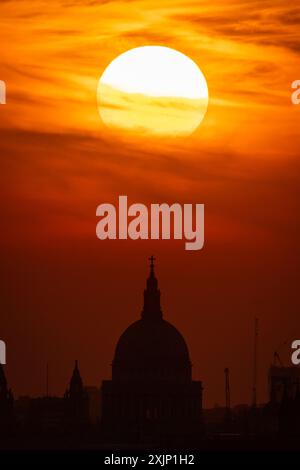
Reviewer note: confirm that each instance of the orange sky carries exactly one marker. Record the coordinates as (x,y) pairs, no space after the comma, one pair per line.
(58,162)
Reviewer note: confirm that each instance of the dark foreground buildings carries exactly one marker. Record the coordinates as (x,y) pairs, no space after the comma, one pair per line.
(151,395)
(6,405)
(150,401)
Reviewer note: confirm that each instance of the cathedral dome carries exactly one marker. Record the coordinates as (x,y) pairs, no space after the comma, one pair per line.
(151,349)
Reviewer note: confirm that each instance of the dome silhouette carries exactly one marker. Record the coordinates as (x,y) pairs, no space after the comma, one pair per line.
(151,394)
(151,349)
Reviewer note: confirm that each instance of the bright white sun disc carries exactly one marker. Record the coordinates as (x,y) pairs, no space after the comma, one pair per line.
(153,89)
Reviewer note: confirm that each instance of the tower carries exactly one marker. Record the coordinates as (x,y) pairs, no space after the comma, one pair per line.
(76,402)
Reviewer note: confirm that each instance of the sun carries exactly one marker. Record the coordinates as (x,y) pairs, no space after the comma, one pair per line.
(153,90)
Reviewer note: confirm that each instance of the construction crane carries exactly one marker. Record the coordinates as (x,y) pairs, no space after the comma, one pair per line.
(276,358)
(227,388)
(227,416)
(254,390)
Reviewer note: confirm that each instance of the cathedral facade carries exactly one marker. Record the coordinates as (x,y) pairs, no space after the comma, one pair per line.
(151,396)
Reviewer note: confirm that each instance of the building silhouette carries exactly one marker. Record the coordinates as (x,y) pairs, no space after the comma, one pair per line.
(151,395)
(76,403)
(282,412)
(289,412)
(283,382)
(44,416)
(6,405)
(151,401)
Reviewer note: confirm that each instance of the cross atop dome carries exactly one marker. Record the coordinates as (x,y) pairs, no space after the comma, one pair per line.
(151,308)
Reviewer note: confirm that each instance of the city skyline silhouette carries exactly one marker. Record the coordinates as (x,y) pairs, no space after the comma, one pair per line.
(151,398)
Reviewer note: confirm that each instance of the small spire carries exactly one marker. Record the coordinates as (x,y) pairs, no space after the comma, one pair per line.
(151,308)
(76,377)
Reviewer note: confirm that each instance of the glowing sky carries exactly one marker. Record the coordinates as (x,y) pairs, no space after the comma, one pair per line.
(67,296)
